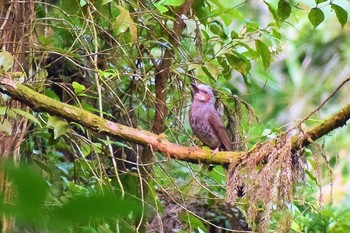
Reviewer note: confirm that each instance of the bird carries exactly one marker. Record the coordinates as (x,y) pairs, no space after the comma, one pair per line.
(205,120)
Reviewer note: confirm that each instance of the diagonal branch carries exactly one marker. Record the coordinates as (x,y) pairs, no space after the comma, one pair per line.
(42,103)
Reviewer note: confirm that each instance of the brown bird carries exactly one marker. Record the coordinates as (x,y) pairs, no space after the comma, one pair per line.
(205,120)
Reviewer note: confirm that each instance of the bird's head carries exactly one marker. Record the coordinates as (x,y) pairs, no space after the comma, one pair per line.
(202,93)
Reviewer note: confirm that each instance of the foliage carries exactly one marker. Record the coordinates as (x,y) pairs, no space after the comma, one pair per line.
(74,207)
(103,56)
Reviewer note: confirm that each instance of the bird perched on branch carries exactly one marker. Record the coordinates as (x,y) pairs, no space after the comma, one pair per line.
(205,120)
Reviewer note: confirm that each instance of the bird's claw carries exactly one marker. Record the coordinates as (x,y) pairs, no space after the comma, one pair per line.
(216,150)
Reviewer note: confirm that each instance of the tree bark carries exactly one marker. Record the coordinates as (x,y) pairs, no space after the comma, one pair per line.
(162,76)
(161,84)
(16,18)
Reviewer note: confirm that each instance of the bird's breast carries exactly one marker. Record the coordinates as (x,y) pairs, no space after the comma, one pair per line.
(201,126)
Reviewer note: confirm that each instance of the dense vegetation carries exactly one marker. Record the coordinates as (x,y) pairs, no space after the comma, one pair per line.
(272,65)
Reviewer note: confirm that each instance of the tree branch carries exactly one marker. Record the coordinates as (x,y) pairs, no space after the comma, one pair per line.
(42,103)
(162,76)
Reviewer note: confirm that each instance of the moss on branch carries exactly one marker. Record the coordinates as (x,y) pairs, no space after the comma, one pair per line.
(42,103)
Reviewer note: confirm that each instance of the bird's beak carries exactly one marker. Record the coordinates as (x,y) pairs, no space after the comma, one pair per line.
(194,87)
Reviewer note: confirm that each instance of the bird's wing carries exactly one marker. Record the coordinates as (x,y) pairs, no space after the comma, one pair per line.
(220,130)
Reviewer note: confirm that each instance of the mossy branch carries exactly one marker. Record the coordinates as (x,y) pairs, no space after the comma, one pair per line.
(41,103)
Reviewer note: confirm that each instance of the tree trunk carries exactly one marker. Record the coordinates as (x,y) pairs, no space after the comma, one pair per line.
(16,18)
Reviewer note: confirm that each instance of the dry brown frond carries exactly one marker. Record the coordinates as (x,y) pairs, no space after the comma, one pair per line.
(235,119)
(269,173)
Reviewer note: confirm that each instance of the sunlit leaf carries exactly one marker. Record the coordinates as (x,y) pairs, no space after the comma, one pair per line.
(173,2)
(162,9)
(124,22)
(316,16)
(6,60)
(251,26)
(341,14)
(3,110)
(266,132)
(78,88)
(5,126)
(213,69)
(82,3)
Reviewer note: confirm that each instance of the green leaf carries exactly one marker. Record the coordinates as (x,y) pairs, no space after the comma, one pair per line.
(59,126)
(312,177)
(272,10)
(173,2)
(283,11)
(264,53)
(123,22)
(78,88)
(85,148)
(82,3)
(266,132)
(316,16)
(218,29)
(30,190)
(104,2)
(213,69)
(42,165)
(240,63)
(6,60)
(69,6)
(82,208)
(320,1)
(226,69)
(328,213)
(161,5)
(192,220)
(117,143)
(341,14)
(162,9)
(208,73)
(251,26)
(307,152)
(5,126)
(276,34)
(26,115)
(3,110)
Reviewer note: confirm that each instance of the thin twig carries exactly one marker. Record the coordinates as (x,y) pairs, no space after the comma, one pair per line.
(325,101)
